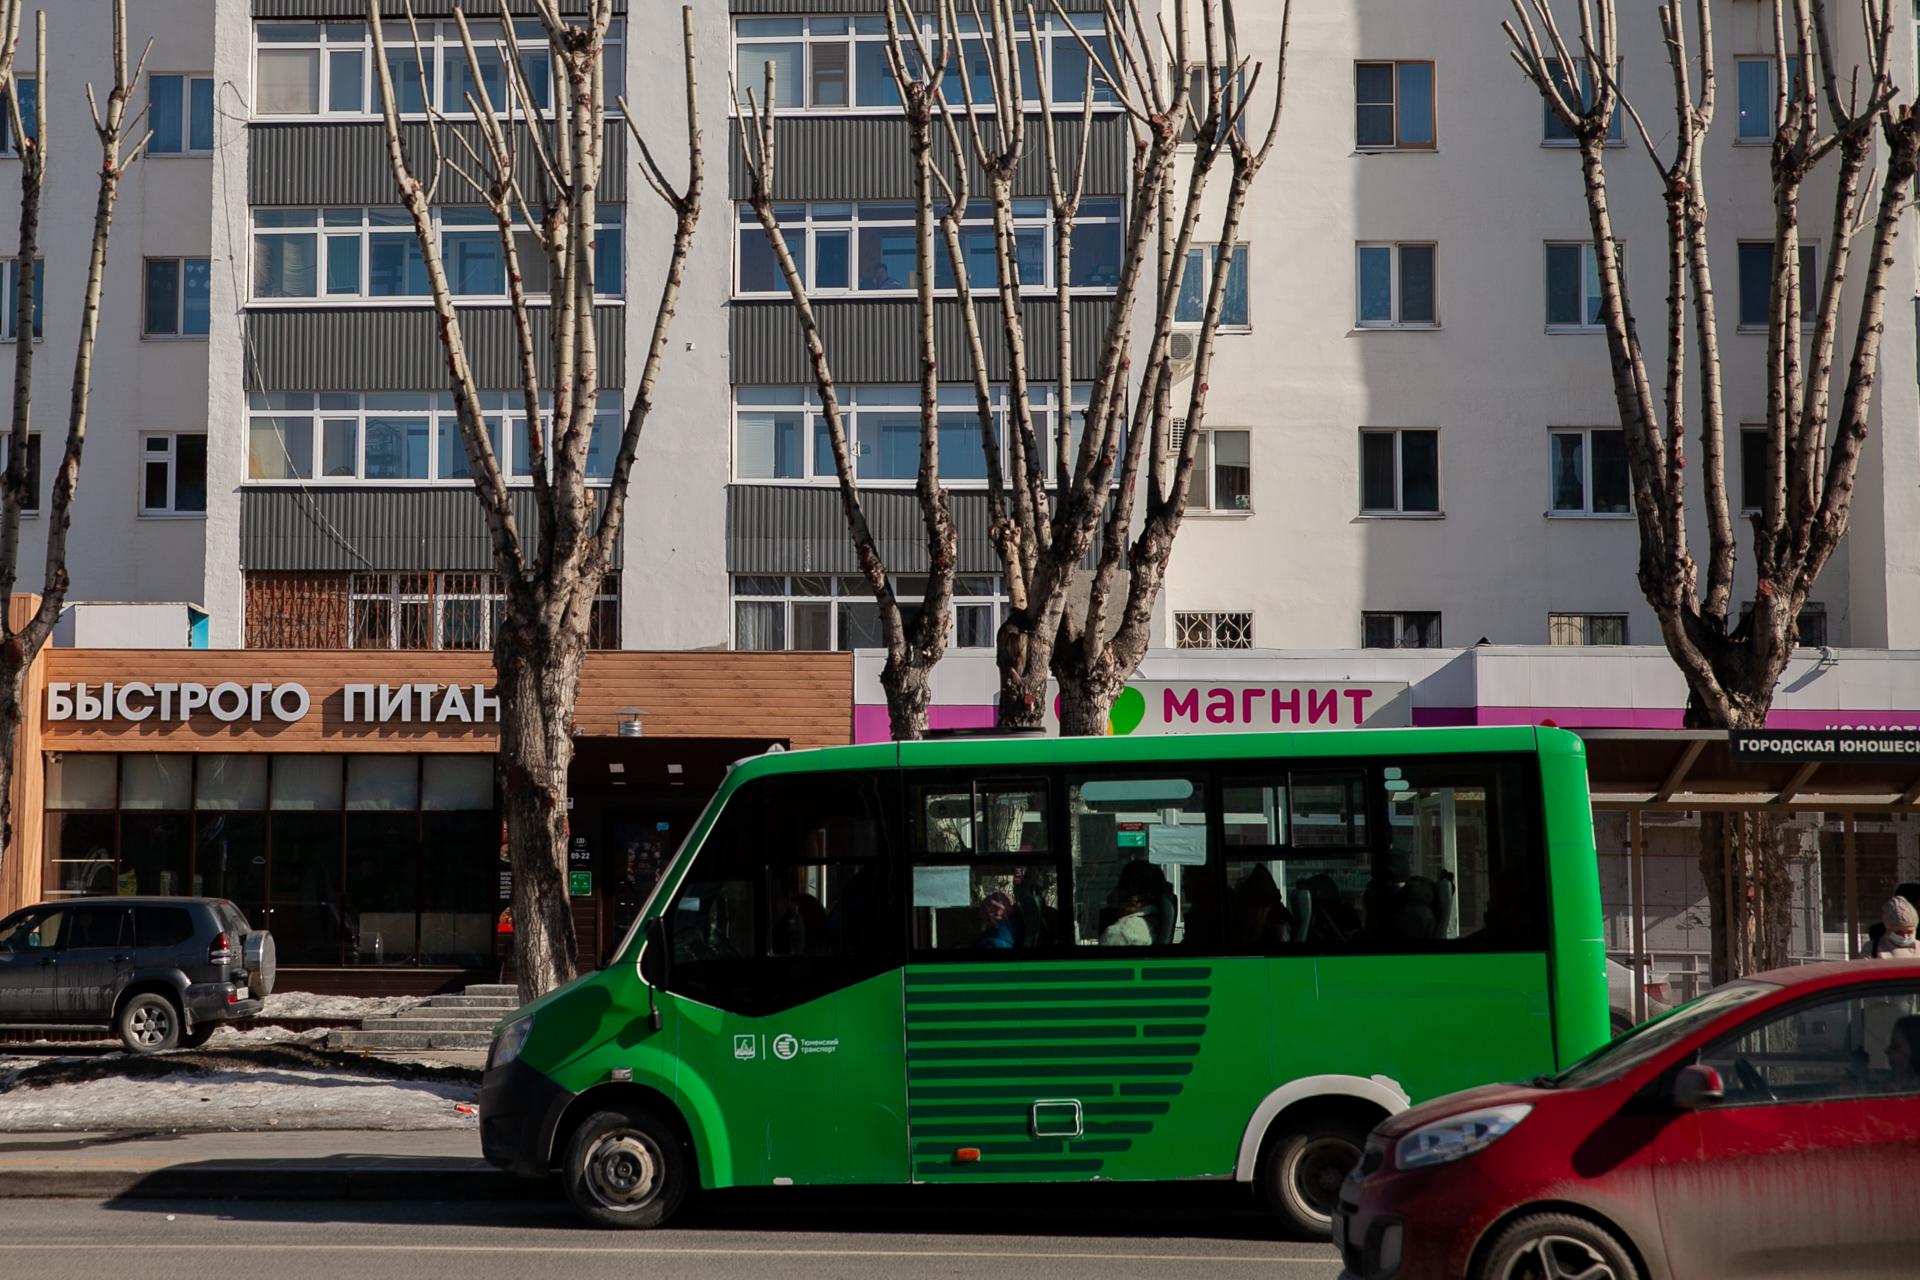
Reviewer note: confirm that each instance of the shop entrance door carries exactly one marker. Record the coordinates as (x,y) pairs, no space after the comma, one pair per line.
(639,843)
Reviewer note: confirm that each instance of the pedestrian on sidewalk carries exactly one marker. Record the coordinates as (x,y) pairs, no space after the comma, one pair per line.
(1899,922)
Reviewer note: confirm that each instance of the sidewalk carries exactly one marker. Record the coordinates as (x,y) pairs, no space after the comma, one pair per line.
(311,1165)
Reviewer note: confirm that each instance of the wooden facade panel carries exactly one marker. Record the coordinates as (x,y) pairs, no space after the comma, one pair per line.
(803,698)
(21,866)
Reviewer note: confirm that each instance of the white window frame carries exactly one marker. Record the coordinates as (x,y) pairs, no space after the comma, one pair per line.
(505,412)
(971,591)
(1214,626)
(870,29)
(1433,105)
(1030,215)
(357,224)
(169,455)
(35,459)
(1206,475)
(1209,256)
(1395,248)
(1561,622)
(9,296)
(9,145)
(1399,617)
(179,333)
(1589,273)
(187,80)
(1586,511)
(1398,511)
(956,400)
(1741,139)
(439,40)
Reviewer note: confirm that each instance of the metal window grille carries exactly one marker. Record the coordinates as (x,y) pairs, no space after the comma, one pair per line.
(1213,630)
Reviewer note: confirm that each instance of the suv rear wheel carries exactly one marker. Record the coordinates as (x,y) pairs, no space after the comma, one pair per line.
(1301,1172)
(148,1023)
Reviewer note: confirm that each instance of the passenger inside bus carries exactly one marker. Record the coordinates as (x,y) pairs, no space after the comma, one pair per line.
(1148,908)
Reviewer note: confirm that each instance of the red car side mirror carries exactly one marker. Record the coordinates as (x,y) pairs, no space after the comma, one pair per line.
(1697,1086)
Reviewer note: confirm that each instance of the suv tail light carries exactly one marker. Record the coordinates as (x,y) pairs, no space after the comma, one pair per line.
(220,952)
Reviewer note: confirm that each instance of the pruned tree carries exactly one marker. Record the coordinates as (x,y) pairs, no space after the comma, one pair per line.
(913,646)
(122,142)
(1828,125)
(550,574)
(1185,96)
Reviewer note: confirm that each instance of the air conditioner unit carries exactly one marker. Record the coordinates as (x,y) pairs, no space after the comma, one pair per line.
(1183,349)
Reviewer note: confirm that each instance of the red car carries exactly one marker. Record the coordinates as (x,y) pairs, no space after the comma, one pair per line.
(1771,1127)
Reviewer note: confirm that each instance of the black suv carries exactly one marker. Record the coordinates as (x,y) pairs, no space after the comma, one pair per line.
(162,972)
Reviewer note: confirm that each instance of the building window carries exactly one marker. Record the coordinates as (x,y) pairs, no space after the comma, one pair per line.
(1756,283)
(173,474)
(1395,286)
(1558,135)
(1399,472)
(359,859)
(1586,628)
(402,438)
(1573,285)
(869,249)
(322,69)
(833,64)
(781,435)
(1589,472)
(373,255)
(1191,306)
(30,504)
(458,610)
(1213,630)
(822,612)
(1418,630)
(1757,99)
(1753,469)
(1222,471)
(1813,623)
(178,302)
(10,303)
(29,88)
(1393,106)
(180,113)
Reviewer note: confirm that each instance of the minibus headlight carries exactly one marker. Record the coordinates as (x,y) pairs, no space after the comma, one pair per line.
(1457,1137)
(507,1045)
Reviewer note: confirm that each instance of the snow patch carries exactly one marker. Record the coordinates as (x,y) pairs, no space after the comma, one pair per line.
(310,1004)
(240,1100)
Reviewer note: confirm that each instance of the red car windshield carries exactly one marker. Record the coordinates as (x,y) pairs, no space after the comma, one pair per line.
(1651,1039)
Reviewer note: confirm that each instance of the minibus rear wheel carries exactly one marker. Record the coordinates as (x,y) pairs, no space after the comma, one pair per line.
(1303,1167)
(626,1168)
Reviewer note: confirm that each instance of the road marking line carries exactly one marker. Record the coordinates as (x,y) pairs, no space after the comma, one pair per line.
(676,1251)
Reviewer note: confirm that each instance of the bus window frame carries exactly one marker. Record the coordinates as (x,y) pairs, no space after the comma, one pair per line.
(915,782)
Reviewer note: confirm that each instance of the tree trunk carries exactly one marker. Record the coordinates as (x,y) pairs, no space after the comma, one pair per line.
(538,686)
(1749,888)
(909,689)
(1086,703)
(13,672)
(1024,666)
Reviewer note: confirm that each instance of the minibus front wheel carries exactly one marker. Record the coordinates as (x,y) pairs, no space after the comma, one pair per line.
(626,1168)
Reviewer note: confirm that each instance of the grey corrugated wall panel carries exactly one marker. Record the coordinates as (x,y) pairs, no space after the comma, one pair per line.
(327,528)
(394,349)
(866,158)
(876,340)
(856,6)
(421,8)
(801,529)
(328,163)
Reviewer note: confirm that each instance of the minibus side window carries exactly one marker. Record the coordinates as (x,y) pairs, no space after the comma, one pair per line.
(788,898)
(1298,860)
(1140,874)
(985,879)
(1463,862)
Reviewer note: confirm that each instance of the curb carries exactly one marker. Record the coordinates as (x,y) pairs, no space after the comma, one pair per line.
(243,1181)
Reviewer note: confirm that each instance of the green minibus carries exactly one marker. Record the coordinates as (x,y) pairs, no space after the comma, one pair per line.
(1019,959)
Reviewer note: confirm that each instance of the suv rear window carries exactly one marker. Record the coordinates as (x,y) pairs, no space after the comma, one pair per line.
(162,926)
(232,919)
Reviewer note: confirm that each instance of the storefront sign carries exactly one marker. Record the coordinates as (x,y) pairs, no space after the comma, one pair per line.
(1809,746)
(231,701)
(1152,707)
(580,884)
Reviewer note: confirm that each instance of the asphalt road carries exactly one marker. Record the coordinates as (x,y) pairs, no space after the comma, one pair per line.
(796,1236)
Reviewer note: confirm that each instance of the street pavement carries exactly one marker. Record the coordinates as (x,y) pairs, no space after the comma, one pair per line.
(1122,1234)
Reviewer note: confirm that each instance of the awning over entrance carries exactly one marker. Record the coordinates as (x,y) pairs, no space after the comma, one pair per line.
(1691,769)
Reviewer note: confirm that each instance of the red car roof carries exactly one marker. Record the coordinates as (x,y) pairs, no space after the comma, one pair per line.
(1829,972)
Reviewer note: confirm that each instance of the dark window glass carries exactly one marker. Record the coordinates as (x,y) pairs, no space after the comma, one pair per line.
(1378,491)
(230,860)
(1848,1045)
(1419,470)
(382,887)
(1462,864)
(1753,470)
(190,473)
(1813,627)
(154,848)
(1564,273)
(307,916)
(1756,282)
(1611,486)
(80,846)
(162,926)
(1416,284)
(1139,848)
(1416,104)
(1379,631)
(163,296)
(1095,254)
(1373,104)
(456,905)
(99,927)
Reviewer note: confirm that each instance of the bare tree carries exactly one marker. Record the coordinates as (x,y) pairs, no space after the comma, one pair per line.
(1733,664)
(912,647)
(121,145)
(551,574)
(1185,97)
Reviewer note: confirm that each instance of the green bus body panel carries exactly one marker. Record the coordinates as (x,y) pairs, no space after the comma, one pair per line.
(1168,1057)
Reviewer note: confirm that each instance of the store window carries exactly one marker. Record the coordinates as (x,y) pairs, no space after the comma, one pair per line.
(354,859)
(454,610)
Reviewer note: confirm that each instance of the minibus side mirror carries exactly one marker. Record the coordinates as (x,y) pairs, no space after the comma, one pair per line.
(1697,1086)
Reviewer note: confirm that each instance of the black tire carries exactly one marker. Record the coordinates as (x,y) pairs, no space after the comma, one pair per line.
(1543,1246)
(626,1169)
(201,1033)
(1301,1172)
(148,1023)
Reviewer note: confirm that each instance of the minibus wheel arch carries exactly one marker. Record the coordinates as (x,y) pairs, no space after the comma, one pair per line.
(614,1096)
(1370,1098)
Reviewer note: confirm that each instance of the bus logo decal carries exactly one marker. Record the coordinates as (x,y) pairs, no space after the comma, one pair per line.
(743,1048)
(784,1047)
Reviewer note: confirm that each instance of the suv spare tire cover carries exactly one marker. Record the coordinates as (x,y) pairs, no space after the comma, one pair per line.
(259,959)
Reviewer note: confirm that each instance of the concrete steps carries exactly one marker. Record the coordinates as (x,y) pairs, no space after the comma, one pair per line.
(463,1021)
